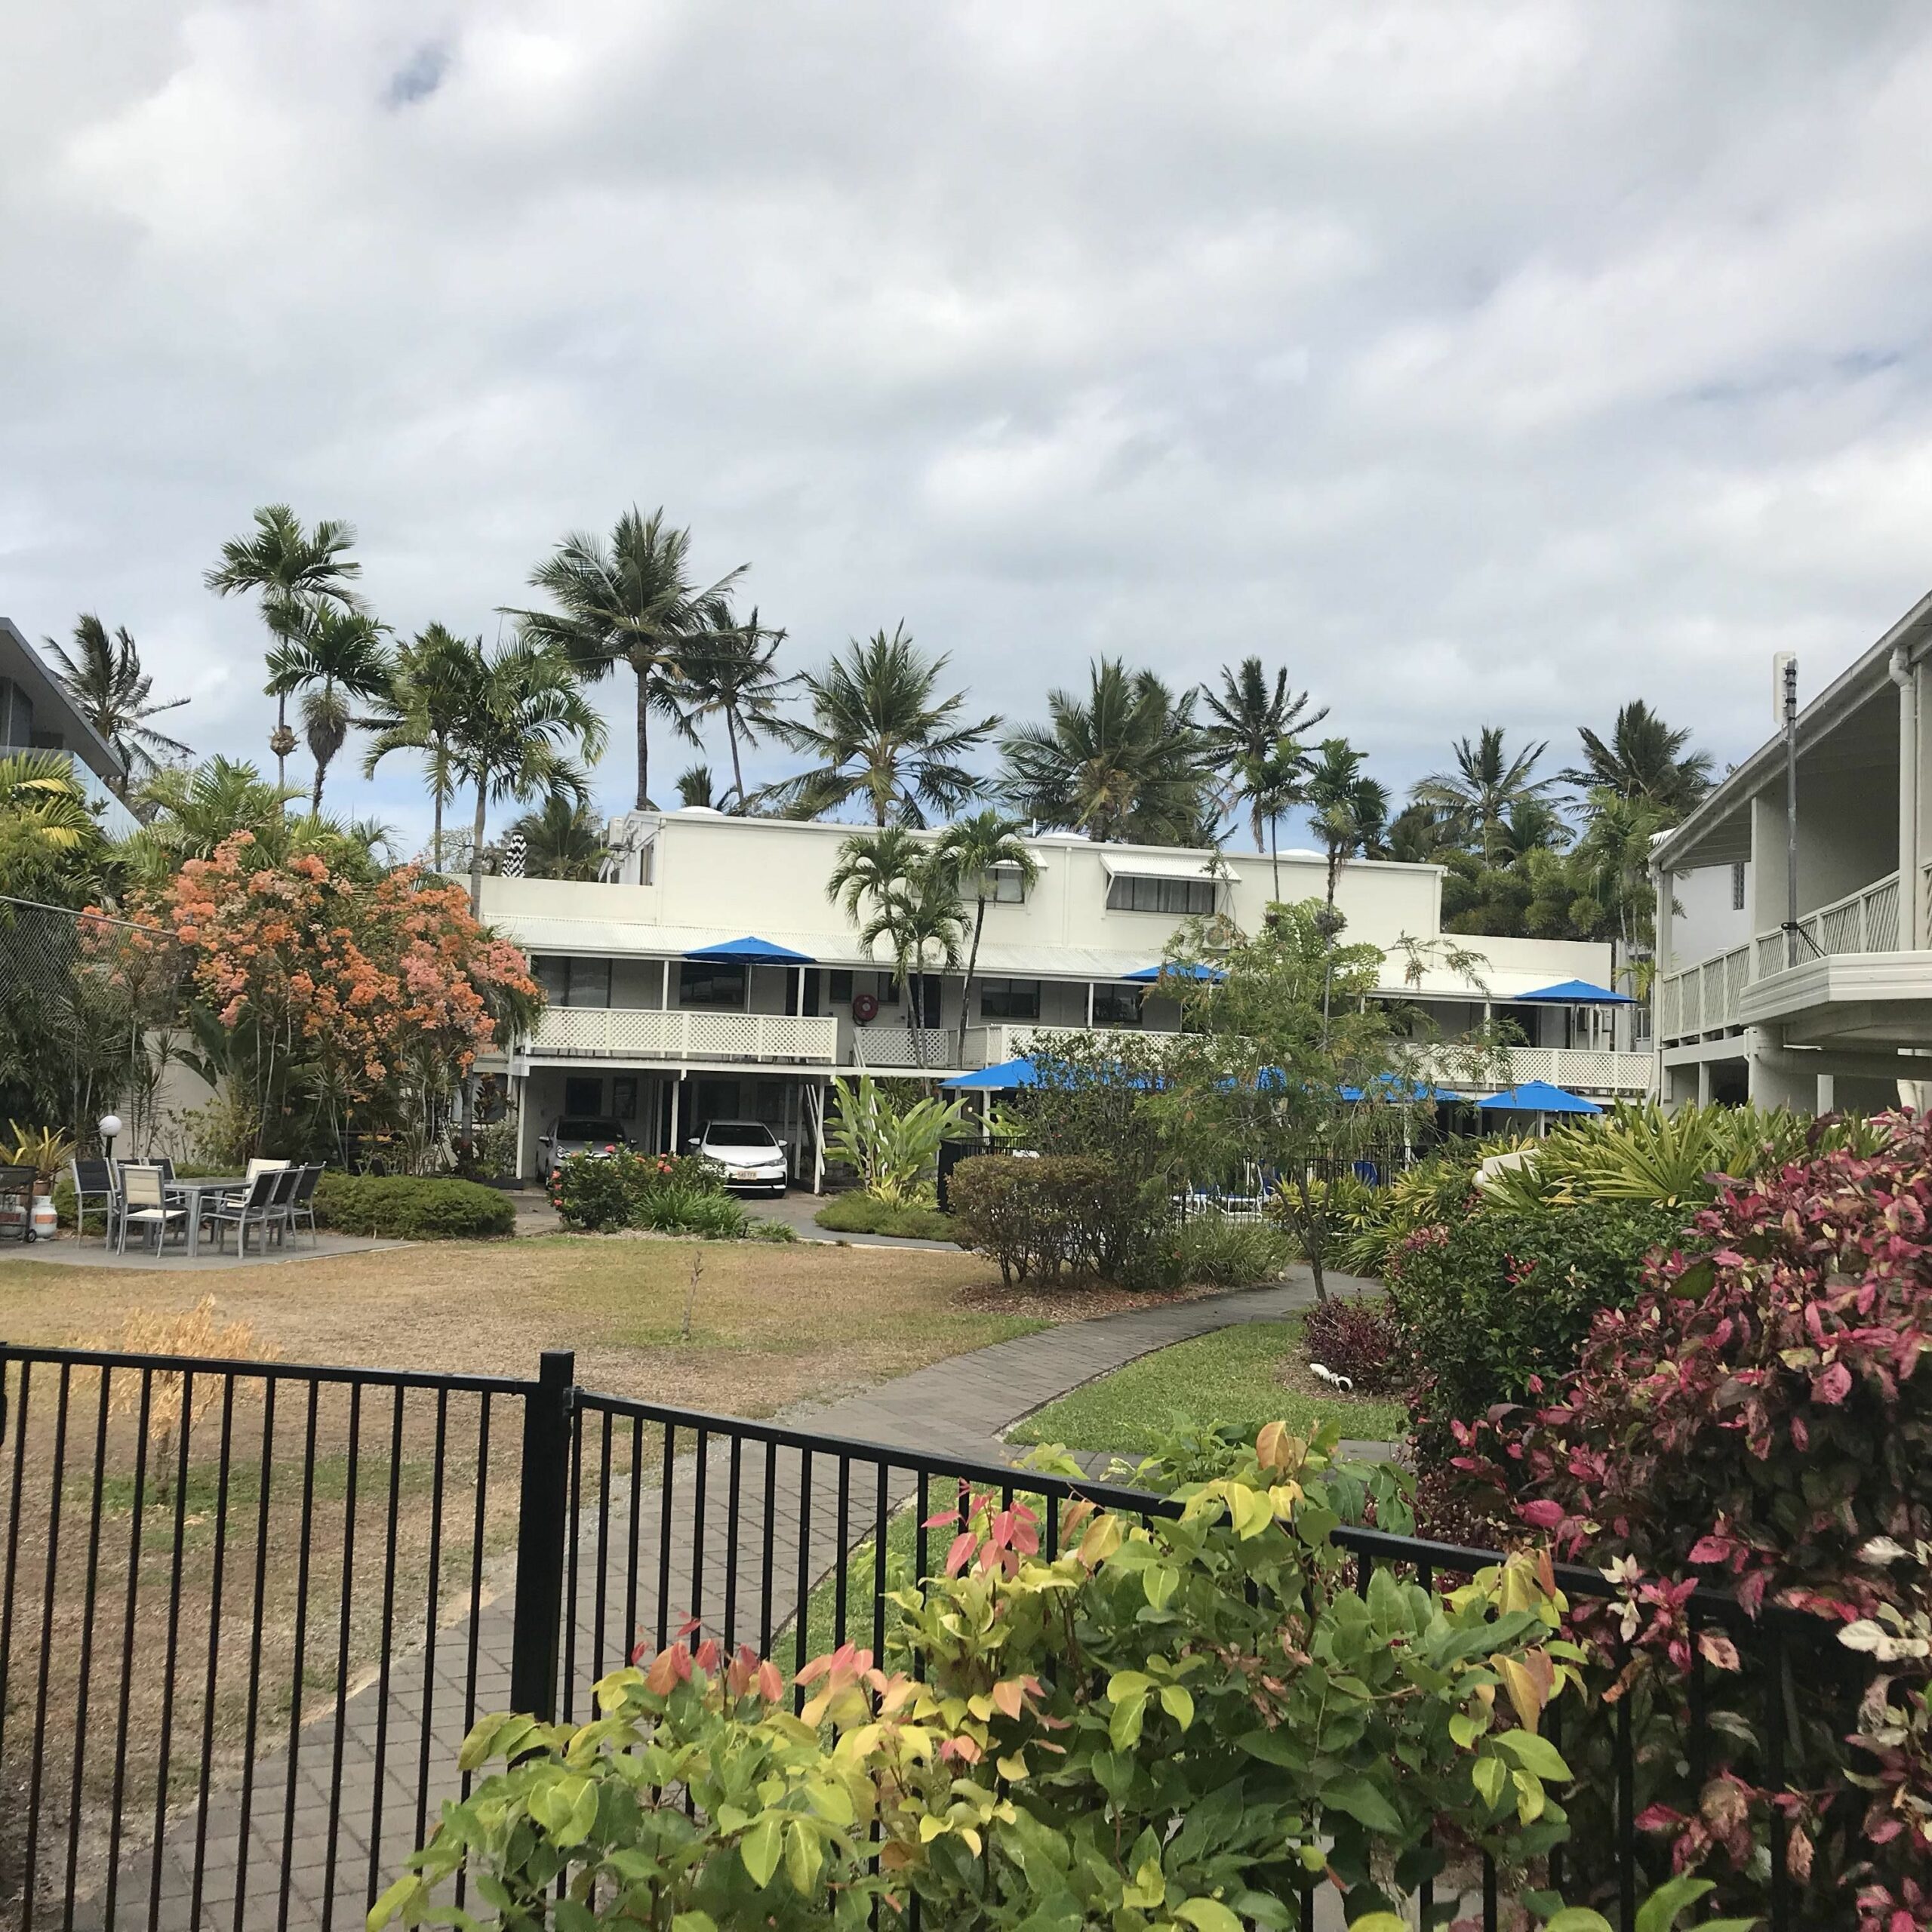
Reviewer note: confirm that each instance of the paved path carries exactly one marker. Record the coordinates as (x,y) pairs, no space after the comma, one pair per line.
(740,1534)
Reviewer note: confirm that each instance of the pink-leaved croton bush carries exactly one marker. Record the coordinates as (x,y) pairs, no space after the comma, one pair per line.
(1760,1422)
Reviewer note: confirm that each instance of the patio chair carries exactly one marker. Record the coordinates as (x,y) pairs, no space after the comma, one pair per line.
(93,1181)
(302,1202)
(260,1166)
(239,1210)
(17,1200)
(281,1198)
(144,1203)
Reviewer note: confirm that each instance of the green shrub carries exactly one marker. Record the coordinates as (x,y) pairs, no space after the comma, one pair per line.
(404,1207)
(857,1213)
(599,1193)
(676,1209)
(891,1144)
(1487,1302)
(1037,1215)
(777,1232)
(1230,1254)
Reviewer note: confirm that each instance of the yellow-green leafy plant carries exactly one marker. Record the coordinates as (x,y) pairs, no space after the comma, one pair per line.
(892,1145)
(45,1149)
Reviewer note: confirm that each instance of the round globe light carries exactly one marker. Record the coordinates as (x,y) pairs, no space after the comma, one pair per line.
(110,1125)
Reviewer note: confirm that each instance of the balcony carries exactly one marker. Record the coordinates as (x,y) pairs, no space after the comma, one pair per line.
(1779,974)
(682,1036)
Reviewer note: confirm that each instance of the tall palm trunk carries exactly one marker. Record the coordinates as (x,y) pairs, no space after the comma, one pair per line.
(1275,854)
(281,731)
(973,966)
(643,739)
(466,1103)
(439,784)
(737,766)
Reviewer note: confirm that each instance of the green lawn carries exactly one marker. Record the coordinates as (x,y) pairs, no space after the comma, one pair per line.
(1231,1376)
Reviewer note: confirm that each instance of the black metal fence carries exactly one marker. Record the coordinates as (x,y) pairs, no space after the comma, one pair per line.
(248,1610)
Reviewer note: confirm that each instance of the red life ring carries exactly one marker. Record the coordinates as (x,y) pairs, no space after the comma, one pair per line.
(865,1008)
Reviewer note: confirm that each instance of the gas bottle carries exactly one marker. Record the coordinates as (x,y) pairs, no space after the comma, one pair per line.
(45,1226)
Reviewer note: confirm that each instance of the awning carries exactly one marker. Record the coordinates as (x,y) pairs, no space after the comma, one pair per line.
(1573,992)
(1008,1074)
(1538,1097)
(1147,974)
(1127,861)
(751,952)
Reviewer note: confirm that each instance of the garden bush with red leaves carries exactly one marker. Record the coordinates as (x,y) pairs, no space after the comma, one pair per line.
(1761,1420)
(1358,1338)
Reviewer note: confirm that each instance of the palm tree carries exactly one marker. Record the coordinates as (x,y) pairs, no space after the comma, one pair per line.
(108,688)
(524,716)
(1612,859)
(1349,810)
(188,812)
(629,601)
(1645,759)
(1124,764)
(970,852)
(48,831)
(291,570)
(697,788)
(332,656)
(727,672)
(561,840)
(914,903)
(417,710)
(879,731)
(1488,781)
(1273,784)
(1247,720)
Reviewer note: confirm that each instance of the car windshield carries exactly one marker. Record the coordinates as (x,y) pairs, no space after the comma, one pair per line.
(738,1134)
(589,1130)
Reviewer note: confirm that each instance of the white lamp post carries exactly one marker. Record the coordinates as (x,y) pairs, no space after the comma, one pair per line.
(109,1125)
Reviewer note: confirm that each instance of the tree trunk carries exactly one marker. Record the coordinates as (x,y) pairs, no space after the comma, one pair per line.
(972,967)
(468,1102)
(643,738)
(1274,853)
(315,791)
(737,766)
(281,756)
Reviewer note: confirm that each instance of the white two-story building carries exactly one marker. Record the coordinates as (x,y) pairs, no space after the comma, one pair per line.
(1837,1011)
(663,1017)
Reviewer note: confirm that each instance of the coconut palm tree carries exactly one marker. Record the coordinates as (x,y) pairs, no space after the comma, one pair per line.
(630,600)
(104,679)
(332,656)
(970,852)
(1124,763)
(49,836)
(1348,809)
(1645,758)
(880,732)
(417,710)
(728,673)
(291,570)
(1245,723)
(1272,785)
(697,788)
(514,738)
(561,840)
(1488,781)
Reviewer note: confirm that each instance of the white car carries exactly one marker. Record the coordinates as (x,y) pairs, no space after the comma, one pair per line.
(748,1153)
(572,1135)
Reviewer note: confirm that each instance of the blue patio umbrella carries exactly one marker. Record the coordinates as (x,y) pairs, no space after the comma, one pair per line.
(1538,1097)
(1573,992)
(1146,975)
(751,952)
(1007,1075)
(1403,1089)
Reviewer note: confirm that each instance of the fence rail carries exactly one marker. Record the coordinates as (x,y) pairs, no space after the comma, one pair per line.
(651,1033)
(251,1609)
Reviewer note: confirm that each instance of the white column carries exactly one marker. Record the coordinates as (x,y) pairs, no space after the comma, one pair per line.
(1911,914)
(1703,1083)
(664,993)
(817,1096)
(677,1090)
(1090,1005)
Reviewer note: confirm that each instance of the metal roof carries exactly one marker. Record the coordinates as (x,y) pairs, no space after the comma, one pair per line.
(19,661)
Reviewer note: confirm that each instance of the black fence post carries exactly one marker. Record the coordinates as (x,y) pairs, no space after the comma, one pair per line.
(542,1511)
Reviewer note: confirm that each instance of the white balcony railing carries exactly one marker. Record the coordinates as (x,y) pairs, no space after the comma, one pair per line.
(1708,997)
(648,1034)
(1582,1069)
(884,1044)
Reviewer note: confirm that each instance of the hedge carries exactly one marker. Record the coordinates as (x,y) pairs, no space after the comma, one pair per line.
(1035,1216)
(404,1207)
(859,1213)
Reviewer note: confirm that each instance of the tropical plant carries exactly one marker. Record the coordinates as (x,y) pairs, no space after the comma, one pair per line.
(1124,762)
(880,732)
(1487,783)
(330,657)
(1272,785)
(971,851)
(1348,809)
(45,1149)
(431,678)
(698,788)
(189,811)
(630,600)
(727,672)
(891,1144)
(104,679)
(51,842)
(1613,863)
(561,840)
(1644,759)
(1245,721)
(513,735)
(292,571)
(898,890)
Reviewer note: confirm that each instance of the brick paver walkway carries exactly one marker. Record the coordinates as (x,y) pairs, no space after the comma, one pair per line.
(741,1547)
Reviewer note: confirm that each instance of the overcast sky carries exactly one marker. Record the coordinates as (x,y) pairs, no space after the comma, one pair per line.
(1482,362)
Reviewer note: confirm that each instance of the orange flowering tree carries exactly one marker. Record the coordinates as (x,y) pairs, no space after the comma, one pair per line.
(335,1004)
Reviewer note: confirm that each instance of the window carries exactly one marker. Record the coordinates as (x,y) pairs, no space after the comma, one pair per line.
(1116,1006)
(568,981)
(888,990)
(701,983)
(1737,887)
(583,1094)
(1009,999)
(840,981)
(1009,886)
(1175,896)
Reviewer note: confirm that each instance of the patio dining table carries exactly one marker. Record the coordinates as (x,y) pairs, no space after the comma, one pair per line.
(193,1193)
